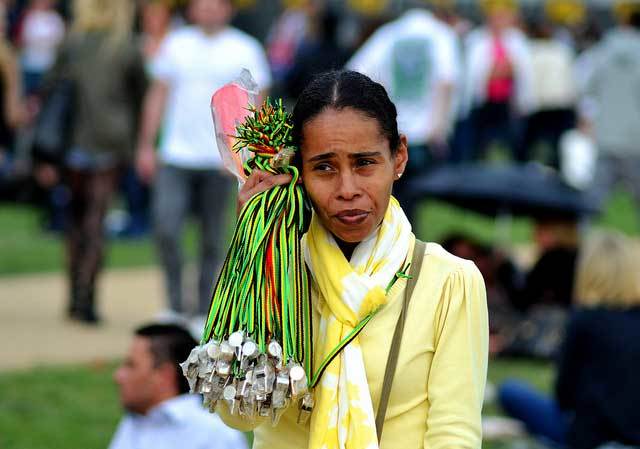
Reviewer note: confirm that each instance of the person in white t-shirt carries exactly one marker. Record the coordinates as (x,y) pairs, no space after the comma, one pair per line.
(416,58)
(40,36)
(161,414)
(553,89)
(192,63)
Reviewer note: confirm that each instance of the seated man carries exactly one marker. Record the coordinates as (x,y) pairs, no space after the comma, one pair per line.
(161,413)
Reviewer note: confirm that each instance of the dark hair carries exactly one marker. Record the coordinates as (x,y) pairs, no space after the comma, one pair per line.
(346,89)
(169,344)
(634,19)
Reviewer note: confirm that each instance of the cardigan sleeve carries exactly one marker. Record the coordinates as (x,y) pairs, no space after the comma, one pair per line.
(456,380)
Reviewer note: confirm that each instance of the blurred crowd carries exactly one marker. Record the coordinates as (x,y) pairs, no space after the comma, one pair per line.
(100,98)
(103,98)
(91,89)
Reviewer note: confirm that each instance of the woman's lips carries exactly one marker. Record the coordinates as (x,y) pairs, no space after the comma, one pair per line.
(352,216)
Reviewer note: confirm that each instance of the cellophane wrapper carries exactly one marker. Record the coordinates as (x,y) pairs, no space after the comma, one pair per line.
(229,107)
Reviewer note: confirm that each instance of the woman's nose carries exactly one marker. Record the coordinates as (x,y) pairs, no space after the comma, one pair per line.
(348,188)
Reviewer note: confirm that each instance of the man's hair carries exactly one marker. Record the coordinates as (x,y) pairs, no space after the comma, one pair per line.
(169,344)
(634,20)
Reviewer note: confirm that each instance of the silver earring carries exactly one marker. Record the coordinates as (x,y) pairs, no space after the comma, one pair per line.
(398,175)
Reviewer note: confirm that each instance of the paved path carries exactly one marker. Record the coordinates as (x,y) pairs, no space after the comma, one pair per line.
(34,330)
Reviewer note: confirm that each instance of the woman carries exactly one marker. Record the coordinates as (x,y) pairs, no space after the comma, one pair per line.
(359,238)
(41,32)
(102,60)
(12,109)
(155,21)
(597,388)
(498,79)
(539,304)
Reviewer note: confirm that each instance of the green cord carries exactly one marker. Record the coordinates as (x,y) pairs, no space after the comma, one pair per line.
(263,285)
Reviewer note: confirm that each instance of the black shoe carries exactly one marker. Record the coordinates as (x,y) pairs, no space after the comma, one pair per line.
(82,305)
(86,316)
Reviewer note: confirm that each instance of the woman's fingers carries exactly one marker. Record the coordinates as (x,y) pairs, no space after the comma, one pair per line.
(254,178)
(258,182)
(272,181)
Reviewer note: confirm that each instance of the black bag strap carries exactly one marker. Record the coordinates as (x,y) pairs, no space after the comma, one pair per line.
(392,361)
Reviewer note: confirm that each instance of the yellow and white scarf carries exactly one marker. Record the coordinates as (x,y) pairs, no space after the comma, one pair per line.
(343,416)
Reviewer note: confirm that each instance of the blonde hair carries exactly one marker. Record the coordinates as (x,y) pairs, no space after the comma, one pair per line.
(114,17)
(567,12)
(489,6)
(623,9)
(607,271)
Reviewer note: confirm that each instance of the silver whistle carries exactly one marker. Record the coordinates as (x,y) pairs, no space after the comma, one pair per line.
(192,377)
(213,350)
(306,407)
(298,381)
(244,387)
(279,395)
(217,386)
(235,341)
(223,368)
(264,407)
(229,395)
(227,352)
(276,414)
(275,351)
(264,377)
(249,354)
(249,406)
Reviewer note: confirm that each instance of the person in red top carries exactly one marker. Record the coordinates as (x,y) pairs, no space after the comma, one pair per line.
(500,85)
(498,80)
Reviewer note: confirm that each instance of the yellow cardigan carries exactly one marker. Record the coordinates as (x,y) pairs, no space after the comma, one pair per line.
(436,396)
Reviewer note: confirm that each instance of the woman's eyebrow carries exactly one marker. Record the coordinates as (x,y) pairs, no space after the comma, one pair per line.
(325,156)
(321,157)
(365,154)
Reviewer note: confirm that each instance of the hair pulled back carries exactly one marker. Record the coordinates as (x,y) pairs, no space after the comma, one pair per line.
(346,89)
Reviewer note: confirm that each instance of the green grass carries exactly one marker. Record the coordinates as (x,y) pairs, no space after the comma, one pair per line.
(73,407)
(25,248)
(537,373)
(76,407)
(437,219)
(51,408)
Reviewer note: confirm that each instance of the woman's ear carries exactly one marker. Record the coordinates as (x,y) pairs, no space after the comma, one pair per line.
(401,157)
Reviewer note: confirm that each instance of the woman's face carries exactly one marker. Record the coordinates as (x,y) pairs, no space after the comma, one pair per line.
(348,171)
(156,18)
(210,14)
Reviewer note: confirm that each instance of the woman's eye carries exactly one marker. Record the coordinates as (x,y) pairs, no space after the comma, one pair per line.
(323,167)
(365,162)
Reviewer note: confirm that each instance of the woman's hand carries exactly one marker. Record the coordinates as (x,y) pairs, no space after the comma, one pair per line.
(146,163)
(257,182)
(46,175)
